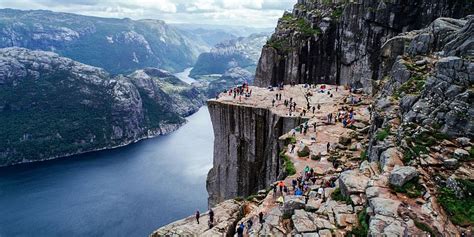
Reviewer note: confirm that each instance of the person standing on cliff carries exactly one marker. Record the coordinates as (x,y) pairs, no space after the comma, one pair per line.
(197,216)
(327,147)
(211,215)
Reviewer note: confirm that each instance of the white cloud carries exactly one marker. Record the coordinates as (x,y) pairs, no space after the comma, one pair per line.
(256,13)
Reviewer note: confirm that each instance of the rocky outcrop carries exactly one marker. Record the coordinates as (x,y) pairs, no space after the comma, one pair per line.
(339,42)
(53,107)
(246,149)
(226,216)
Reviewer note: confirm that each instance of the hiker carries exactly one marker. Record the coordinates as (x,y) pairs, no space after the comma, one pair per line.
(260,217)
(197,216)
(293,184)
(306,198)
(273,103)
(327,147)
(319,107)
(293,132)
(249,224)
(285,189)
(281,185)
(211,215)
(314,125)
(298,192)
(304,112)
(292,148)
(240,230)
(306,169)
(321,192)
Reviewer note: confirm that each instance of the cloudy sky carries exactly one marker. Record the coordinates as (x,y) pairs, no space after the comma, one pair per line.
(256,13)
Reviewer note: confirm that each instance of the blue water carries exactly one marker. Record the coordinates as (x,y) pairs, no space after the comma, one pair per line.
(129,191)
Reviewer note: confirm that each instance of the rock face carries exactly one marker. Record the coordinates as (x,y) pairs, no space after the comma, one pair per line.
(117,45)
(340,43)
(246,149)
(52,106)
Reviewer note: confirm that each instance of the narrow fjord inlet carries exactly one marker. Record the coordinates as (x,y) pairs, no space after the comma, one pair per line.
(128,191)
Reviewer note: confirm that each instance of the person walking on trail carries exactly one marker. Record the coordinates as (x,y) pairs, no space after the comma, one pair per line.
(197,216)
(314,108)
(301,128)
(327,147)
(319,107)
(249,224)
(240,230)
(273,103)
(211,215)
(260,217)
(315,125)
(281,185)
(292,148)
(306,169)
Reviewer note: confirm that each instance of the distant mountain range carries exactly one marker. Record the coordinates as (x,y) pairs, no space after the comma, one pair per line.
(117,45)
(242,52)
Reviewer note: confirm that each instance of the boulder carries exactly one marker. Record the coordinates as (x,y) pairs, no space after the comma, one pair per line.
(451,163)
(292,203)
(463,141)
(352,182)
(385,206)
(344,140)
(402,174)
(325,233)
(390,158)
(344,219)
(461,153)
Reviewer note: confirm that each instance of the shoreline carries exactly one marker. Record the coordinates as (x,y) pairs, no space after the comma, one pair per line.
(154,134)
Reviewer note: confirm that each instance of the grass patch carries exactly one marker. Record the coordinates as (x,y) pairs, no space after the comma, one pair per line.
(460,211)
(362,229)
(412,189)
(413,86)
(381,135)
(363,155)
(337,196)
(239,199)
(251,197)
(424,227)
(289,166)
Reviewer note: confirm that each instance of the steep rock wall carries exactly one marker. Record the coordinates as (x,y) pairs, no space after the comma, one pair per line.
(246,148)
(339,43)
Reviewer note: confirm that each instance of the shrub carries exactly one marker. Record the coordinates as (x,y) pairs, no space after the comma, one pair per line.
(303,153)
(363,155)
(337,196)
(315,157)
(290,140)
(289,166)
(362,229)
(461,211)
(412,189)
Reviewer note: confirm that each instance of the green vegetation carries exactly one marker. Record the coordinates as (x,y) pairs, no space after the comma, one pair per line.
(289,166)
(413,86)
(315,157)
(362,229)
(303,153)
(381,135)
(337,196)
(282,45)
(363,155)
(412,189)
(421,142)
(424,227)
(337,13)
(460,211)
(239,199)
(290,140)
(251,197)
(306,29)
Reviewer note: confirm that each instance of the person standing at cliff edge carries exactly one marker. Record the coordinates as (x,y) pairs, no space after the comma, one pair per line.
(197,216)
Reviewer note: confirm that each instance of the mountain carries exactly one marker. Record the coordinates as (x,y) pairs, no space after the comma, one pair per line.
(243,52)
(51,106)
(117,45)
(208,37)
(239,31)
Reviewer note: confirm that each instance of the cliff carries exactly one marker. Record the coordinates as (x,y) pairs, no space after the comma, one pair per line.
(53,107)
(246,148)
(403,168)
(339,42)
